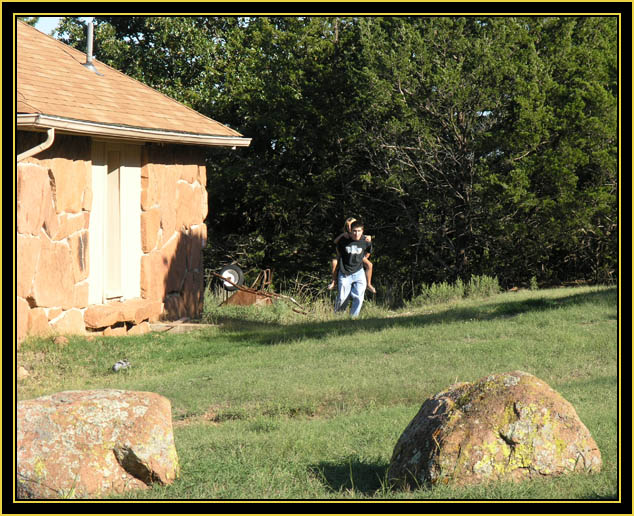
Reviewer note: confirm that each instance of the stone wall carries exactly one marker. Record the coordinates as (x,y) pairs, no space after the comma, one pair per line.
(54,198)
(173,231)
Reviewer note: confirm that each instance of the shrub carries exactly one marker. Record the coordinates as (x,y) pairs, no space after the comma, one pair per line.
(436,293)
(439,293)
(534,285)
(482,286)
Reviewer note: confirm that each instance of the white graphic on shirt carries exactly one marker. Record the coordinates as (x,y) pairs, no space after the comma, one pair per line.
(353,249)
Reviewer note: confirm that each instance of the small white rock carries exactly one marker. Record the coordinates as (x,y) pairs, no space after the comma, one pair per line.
(22,373)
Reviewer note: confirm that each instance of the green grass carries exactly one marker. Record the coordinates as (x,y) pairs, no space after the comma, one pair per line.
(271,404)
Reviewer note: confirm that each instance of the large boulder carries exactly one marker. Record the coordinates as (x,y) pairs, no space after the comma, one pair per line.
(81,444)
(509,426)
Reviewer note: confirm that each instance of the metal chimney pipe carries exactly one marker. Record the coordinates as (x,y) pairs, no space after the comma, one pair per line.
(88,64)
(90,38)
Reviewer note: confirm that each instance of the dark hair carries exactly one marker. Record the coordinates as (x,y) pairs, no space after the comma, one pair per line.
(356,224)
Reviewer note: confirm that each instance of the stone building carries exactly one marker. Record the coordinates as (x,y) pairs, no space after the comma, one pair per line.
(111,195)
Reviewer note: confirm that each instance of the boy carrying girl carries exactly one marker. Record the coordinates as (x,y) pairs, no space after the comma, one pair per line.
(353,251)
(367,264)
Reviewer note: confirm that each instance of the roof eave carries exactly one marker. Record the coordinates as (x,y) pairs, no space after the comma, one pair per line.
(67,125)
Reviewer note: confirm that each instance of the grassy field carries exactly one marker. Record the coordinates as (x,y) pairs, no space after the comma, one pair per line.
(270,404)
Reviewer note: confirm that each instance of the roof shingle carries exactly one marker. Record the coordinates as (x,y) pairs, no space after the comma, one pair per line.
(51,80)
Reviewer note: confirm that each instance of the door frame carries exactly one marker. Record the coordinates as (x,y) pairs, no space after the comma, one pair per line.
(130,219)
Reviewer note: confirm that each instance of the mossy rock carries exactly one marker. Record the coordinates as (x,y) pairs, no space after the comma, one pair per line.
(509,426)
(84,444)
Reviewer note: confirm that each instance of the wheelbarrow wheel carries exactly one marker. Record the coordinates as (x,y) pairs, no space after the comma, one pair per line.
(234,274)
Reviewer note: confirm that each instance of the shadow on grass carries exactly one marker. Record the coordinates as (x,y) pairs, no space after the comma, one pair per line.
(268,333)
(359,479)
(355,476)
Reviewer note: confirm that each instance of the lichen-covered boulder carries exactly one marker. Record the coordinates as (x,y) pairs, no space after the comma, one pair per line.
(509,426)
(79,444)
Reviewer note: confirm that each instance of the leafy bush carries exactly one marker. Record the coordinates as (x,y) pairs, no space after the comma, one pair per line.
(482,286)
(436,293)
(534,285)
(439,293)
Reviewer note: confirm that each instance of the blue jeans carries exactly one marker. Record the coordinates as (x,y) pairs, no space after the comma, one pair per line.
(351,286)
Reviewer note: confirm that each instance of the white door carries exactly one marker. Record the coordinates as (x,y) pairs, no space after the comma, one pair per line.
(115,222)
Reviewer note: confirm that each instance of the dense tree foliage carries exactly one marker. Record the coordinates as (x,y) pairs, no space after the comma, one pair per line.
(468,145)
(31,20)
(488,137)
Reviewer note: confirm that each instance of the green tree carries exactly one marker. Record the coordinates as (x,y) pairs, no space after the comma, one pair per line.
(439,94)
(466,121)
(560,225)
(286,86)
(31,20)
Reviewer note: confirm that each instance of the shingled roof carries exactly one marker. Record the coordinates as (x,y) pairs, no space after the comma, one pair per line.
(54,89)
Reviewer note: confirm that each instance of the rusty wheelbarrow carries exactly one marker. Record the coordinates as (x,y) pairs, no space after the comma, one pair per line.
(251,295)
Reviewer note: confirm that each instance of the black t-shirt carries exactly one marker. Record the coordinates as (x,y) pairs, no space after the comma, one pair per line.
(351,254)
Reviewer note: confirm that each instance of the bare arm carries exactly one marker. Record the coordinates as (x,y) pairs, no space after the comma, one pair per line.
(340,237)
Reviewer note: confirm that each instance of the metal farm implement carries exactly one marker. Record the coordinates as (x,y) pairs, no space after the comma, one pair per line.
(232,279)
